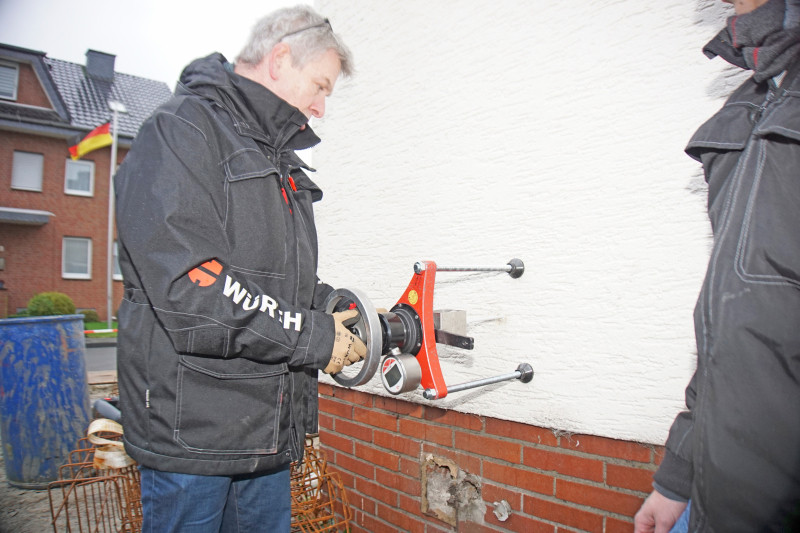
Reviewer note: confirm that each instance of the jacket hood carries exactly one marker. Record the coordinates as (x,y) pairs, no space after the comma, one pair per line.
(257,111)
(765,40)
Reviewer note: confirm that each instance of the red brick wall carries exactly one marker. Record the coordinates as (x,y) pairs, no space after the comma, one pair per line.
(29,88)
(33,253)
(553,482)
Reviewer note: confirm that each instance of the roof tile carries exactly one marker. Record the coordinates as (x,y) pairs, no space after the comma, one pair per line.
(87,98)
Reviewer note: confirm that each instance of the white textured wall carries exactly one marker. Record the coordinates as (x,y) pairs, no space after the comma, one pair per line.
(475,132)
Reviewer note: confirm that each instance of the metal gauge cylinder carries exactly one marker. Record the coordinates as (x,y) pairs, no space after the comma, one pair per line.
(400,372)
(401,330)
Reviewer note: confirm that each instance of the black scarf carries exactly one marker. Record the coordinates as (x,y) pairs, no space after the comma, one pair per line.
(766,40)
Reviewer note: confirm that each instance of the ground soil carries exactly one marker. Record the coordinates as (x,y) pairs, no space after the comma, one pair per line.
(28,511)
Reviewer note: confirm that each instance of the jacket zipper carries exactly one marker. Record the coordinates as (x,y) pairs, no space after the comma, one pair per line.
(771,97)
(286,196)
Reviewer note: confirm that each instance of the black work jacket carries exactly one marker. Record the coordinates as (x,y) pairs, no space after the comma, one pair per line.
(219,347)
(736,451)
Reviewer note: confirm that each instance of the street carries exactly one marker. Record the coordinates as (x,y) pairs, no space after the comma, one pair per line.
(101,356)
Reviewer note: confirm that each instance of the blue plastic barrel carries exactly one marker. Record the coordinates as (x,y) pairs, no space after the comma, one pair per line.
(44,395)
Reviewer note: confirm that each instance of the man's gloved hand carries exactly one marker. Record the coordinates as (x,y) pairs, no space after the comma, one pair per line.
(347,347)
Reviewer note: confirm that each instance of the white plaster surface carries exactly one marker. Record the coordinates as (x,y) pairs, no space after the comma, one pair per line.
(552,132)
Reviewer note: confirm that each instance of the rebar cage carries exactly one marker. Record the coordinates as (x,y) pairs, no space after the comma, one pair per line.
(90,497)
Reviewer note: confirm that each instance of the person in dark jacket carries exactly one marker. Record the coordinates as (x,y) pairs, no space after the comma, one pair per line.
(222,330)
(735,453)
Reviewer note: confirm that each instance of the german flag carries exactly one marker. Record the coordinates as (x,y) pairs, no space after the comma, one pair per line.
(97,138)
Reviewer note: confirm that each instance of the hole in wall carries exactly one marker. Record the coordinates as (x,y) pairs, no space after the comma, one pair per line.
(449,493)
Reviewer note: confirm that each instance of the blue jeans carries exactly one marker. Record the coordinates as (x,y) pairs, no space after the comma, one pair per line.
(682,524)
(186,503)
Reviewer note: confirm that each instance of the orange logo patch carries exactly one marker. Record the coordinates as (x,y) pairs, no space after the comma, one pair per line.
(207,277)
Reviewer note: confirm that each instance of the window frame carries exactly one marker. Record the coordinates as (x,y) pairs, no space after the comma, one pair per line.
(14,170)
(77,165)
(73,275)
(15,67)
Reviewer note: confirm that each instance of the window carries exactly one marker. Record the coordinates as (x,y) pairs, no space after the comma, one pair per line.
(27,170)
(9,76)
(117,271)
(80,178)
(76,258)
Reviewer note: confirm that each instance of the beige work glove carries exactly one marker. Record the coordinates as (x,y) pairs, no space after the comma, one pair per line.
(347,347)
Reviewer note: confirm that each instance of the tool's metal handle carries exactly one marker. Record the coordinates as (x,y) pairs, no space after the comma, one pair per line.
(515,268)
(524,373)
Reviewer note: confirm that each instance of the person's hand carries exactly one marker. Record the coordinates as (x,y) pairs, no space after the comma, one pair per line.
(348,348)
(658,514)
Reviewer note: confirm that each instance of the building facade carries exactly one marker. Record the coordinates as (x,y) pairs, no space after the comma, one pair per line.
(54,211)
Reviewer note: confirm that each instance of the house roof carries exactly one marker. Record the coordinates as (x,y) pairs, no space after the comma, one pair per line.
(86,97)
(80,96)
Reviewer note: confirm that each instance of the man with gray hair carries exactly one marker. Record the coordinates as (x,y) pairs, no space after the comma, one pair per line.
(222,330)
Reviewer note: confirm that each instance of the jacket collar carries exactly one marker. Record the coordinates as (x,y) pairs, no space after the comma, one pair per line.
(765,40)
(256,111)
(283,124)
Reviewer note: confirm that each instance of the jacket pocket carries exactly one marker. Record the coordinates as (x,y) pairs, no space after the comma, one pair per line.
(768,251)
(233,406)
(718,144)
(782,120)
(255,215)
(728,130)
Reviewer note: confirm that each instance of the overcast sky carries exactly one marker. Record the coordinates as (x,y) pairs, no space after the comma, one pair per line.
(151,38)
